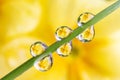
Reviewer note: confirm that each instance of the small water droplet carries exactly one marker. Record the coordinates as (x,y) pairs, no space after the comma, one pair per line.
(43,64)
(37,48)
(88,34)
(85,17)
(62,32)
(65,49)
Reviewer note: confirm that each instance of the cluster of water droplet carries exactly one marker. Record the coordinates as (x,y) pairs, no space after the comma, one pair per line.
(45,63)
(62,32)
(88,34)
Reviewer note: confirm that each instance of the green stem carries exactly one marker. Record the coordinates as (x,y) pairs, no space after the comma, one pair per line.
(25,66)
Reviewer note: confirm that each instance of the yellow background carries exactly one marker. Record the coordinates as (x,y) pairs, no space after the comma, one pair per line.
(23,22)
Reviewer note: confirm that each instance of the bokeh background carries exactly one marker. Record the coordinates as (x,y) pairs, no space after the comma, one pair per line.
(23,22)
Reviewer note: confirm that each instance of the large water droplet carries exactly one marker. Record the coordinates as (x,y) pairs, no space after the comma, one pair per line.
(43,64)
(65,49)
(88,34)
(62,32)
(37,48)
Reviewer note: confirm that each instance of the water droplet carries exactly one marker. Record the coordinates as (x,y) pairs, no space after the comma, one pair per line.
(65,49)
(37,48)
(88,34)
(62,32)
(43,64)
(85,17)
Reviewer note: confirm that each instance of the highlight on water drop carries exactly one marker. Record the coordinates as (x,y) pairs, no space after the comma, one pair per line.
(62,32)
(88,34)
(43,64)
(37,48)
(65,49)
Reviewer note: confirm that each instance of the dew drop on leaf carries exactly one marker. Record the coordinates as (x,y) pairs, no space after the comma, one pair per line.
(65,49)
(43,64)
(62,32)
(37,48)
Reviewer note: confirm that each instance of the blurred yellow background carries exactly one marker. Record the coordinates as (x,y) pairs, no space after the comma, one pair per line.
(23,22)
